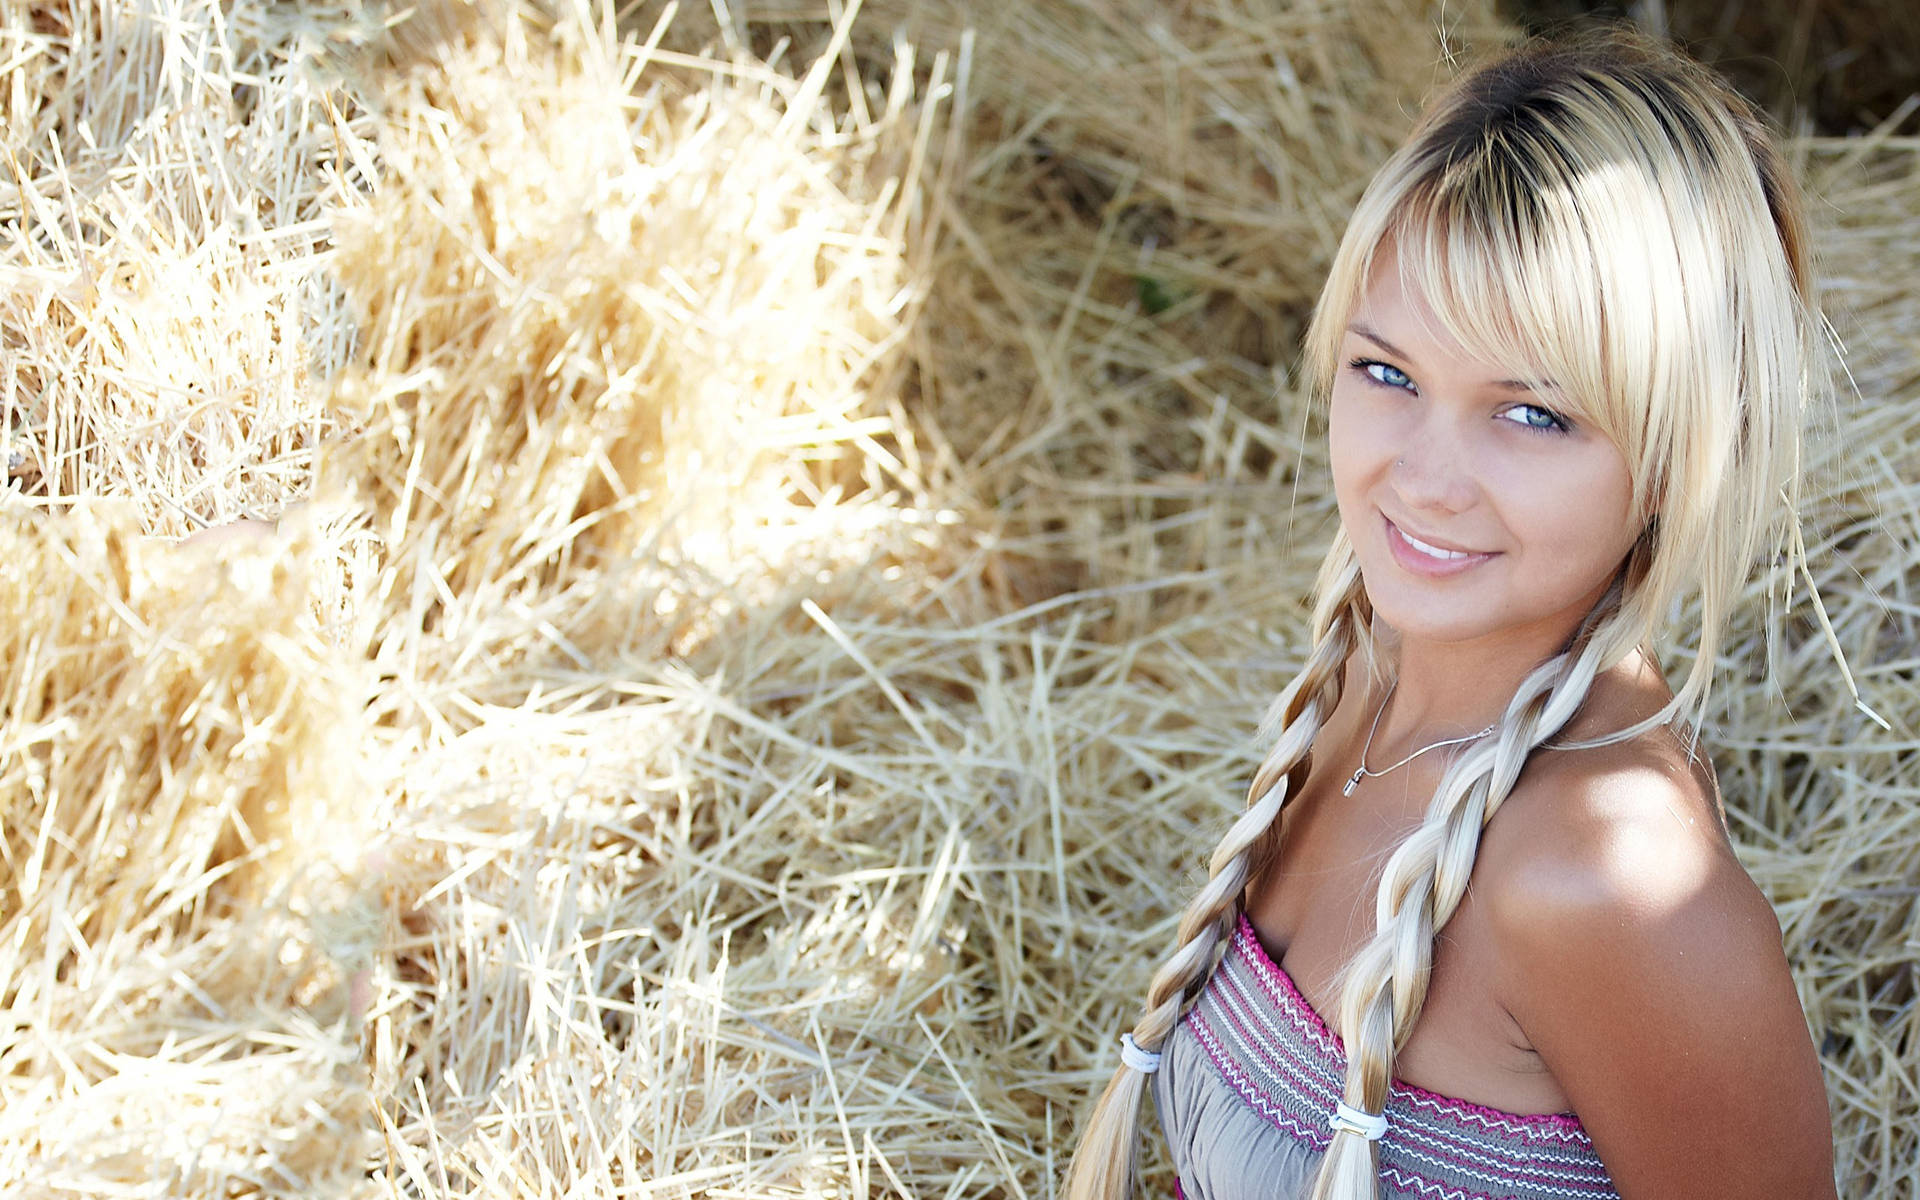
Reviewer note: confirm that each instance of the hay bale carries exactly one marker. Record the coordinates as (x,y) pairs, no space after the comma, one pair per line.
(175,715)
(162,299)
(182,748)
(1819,784)
(629,342)
(610,313)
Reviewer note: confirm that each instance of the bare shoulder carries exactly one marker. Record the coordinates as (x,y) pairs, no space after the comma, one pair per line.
(1645,967)
(1630,829)
(1612,832)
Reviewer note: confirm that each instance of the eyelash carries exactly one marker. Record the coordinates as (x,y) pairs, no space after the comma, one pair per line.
(1560,423)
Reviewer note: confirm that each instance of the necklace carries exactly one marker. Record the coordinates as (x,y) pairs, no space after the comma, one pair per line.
(1362,772)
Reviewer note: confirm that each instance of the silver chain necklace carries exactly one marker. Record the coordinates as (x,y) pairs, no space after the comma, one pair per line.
(1362,772)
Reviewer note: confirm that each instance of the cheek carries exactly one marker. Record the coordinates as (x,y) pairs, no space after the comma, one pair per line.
(1356,447)
(1576,511)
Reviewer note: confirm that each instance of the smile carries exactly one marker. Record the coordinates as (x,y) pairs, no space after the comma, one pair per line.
(1424,558)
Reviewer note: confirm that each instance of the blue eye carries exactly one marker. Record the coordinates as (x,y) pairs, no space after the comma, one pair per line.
(1383,373)
(1535,417)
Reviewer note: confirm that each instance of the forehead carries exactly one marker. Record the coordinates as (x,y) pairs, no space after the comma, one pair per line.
(1396,313)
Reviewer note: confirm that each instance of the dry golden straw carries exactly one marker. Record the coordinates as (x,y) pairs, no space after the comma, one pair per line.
(787,517)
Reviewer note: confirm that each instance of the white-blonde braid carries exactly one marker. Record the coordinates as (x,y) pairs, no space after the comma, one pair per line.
(1104,1164)
(1384,985)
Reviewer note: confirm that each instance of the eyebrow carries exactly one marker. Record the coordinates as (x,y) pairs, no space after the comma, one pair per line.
(1512,385)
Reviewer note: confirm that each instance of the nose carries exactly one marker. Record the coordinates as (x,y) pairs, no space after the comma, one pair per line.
(1433,472)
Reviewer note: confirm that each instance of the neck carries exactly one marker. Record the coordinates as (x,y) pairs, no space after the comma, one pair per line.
(1452,689)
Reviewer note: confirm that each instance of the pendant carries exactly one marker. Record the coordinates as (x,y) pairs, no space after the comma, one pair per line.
(1346,789)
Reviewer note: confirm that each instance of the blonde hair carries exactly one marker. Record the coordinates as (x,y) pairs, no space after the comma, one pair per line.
(1606,211)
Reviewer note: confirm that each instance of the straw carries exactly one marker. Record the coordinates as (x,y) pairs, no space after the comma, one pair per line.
(788,519)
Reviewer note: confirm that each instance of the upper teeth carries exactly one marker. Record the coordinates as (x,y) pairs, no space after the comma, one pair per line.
(1435,551)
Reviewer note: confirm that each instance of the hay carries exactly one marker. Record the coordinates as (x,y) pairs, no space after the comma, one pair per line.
(1827,808)
(1840,68)
(183,758)
(797,535)
(164,311)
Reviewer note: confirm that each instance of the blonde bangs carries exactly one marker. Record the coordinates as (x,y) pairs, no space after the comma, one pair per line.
(1515,271)
(1501,290)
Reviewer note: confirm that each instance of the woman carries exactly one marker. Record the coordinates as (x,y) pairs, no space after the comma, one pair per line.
(1566,342)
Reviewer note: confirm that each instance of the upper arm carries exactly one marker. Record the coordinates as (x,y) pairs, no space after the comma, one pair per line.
(1647,971)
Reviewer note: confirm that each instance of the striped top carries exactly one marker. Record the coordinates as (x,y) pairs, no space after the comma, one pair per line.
(1251,1074)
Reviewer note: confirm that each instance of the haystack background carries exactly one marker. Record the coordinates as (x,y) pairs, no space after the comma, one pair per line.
(788,516)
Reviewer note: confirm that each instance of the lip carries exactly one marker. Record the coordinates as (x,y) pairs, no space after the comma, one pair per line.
(1420,562)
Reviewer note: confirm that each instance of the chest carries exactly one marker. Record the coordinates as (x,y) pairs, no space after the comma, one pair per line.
(1313,907)
(1314,900)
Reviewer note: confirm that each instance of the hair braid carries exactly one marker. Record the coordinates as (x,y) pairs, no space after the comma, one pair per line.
(1104,1165)
(1385,984)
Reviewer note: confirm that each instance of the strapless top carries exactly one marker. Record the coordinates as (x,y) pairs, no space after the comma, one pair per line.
(1251,1073)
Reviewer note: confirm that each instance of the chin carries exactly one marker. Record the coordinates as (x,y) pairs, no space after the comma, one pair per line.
(1435,612)
(1434,627)
(1440,615)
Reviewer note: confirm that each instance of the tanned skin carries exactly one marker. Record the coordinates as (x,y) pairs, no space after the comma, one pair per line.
(1611,958)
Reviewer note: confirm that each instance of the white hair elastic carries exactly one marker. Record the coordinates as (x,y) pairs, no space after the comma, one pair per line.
(1144,1061)
(1348,1119)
